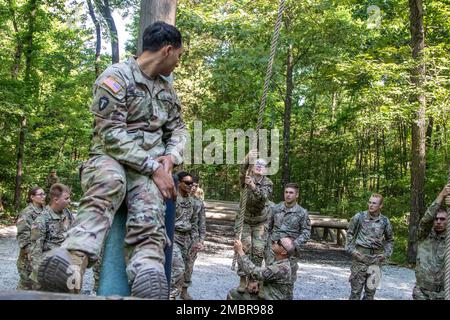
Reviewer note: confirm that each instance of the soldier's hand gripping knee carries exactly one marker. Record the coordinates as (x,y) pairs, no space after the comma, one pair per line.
(164,182)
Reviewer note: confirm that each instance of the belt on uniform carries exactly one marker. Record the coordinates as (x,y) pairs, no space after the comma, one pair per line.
(369,250)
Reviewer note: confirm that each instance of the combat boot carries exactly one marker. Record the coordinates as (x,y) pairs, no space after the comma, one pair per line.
(62,271)
(185,294)
(242,284)
(150,283)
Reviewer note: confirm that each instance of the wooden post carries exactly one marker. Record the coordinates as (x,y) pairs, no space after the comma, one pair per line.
(152,11)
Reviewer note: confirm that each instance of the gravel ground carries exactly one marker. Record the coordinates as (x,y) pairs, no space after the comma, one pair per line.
(323,273)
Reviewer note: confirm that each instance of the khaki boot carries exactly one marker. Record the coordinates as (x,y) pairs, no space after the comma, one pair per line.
(62,271)
(242,284)
(185,294)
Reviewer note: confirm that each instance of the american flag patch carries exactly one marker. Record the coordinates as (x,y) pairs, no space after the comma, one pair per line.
(112,84)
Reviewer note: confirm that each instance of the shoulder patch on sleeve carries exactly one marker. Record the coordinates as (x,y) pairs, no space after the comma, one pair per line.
(112,84)
(267,273)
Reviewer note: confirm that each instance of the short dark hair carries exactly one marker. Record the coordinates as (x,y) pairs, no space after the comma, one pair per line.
(195,179)
(57,190)
(292,185)
(183,174)
(32,192)
(160,34)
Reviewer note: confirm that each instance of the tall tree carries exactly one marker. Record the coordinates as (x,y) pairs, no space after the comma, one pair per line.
(152,11)
(418,126)
(105,10)
(98,36)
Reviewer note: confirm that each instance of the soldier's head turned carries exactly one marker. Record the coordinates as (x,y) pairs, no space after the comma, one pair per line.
(375,204)
(291,193)
(284,247)
(184,182)
(59,197)
(195,181)
(53,172)
(440,221)
(165,41)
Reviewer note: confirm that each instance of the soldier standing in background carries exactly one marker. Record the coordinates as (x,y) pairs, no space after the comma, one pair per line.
(51,180)
(289,219)
(199,211)
(50,228)
(185,235)
(369,241)
(36,200)
(430,271)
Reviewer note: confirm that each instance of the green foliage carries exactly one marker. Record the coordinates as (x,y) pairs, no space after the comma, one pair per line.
(350,130)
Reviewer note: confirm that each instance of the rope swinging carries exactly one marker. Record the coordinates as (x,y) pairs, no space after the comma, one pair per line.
(273,48)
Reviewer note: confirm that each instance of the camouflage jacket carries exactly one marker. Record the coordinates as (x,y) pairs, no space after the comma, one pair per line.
(256,199)
(276,277)
(26,219)
(430,255)
(291,222)
(136,118)
(186,221)
(370,233)
(48,231)
(51,181)
(199,210)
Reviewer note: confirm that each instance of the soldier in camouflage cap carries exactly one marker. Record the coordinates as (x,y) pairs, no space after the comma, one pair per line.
(289,219)
(369,241)
(199,211)
(138,137)
(260,188)
(50,228)
(276,277)
(186,239)
(36,200)
(430,272)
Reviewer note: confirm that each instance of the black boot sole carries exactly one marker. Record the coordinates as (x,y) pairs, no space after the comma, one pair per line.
(54,271)
(150,284)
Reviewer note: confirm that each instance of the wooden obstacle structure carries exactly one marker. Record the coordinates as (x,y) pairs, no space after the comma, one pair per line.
(220,217)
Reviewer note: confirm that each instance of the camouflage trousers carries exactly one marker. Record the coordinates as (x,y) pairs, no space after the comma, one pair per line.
(24,268)
(254,239)
(423,294)
(106,183)
(181,259)
(358,278)
(233,294)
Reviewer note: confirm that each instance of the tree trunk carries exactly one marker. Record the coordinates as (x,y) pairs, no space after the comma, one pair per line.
(98,44)
(285,170)
(429,134)
(106,13)
(19,172)
(28,84)
(418,127)
(152,11)
(19,48)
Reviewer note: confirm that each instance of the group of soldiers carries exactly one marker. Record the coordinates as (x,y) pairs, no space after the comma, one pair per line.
(139,137)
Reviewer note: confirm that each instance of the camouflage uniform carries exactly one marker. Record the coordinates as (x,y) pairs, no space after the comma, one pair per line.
(48,232)
(430,259)
(276,279)
(365,235)
(199,211)
(291,222)
(50,181)
(185,236)
(137,119)
(24,267)
(254,235)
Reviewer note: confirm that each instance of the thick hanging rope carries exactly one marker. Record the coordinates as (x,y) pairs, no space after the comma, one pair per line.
(273,48)
(447,259)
